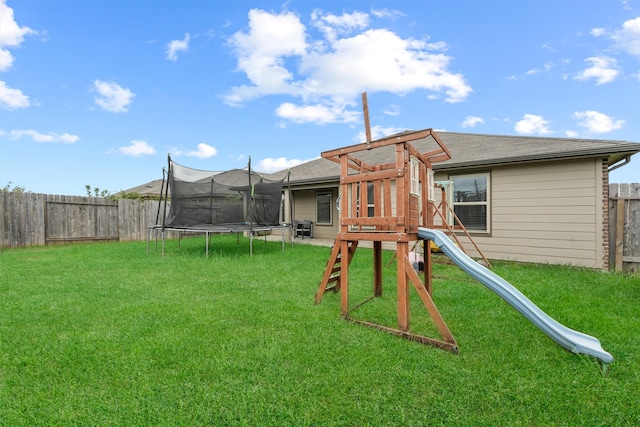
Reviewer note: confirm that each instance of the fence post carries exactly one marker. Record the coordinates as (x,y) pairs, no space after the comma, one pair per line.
(619,242)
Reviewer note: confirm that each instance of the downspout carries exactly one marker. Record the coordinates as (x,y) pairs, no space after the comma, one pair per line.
(617,165)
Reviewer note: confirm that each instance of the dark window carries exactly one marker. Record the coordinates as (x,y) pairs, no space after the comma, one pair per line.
(323,208)
(471,201)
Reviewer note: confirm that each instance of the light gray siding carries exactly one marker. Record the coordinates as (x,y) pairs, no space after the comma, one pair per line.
(546,213)
(305,208)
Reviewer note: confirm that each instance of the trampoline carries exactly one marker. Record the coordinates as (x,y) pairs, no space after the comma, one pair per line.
(238,201)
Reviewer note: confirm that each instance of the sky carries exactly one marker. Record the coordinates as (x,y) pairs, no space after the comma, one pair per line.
(99,92)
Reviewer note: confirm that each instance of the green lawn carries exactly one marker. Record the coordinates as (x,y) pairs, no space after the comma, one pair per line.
(107,334)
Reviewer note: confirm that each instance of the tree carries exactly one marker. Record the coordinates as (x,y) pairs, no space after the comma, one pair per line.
(16,188)
(97,192)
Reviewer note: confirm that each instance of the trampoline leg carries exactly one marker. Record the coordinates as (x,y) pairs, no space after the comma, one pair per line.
(207,233)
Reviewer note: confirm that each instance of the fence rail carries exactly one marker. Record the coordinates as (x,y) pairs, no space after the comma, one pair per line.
(624,227)
(30,219)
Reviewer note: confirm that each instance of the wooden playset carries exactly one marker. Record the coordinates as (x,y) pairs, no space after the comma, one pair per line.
(403,200)
(395,203)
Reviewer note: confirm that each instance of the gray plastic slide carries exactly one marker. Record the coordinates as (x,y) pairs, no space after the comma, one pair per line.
(574,341)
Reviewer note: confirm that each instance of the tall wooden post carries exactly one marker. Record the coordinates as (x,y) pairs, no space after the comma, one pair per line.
(344,279)
(377,268)
(403,287)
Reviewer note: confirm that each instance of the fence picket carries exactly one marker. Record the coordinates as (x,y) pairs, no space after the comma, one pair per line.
(30,219)
(624,227)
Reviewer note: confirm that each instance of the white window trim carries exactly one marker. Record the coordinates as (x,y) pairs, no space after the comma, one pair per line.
(450,218)
(415,176)
(431,189)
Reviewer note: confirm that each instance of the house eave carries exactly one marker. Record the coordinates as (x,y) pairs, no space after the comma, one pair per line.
(537,158)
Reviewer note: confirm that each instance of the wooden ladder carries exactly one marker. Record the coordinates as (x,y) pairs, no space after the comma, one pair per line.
(333,270)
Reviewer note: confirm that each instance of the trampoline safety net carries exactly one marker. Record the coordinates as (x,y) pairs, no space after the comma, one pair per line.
(234,197)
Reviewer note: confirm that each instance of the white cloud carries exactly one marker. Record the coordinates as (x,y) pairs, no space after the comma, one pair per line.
(546,67)
(204,151)
(379,60)
(11,35)
(279,56)
(532,124)
(332,25)
(321,114)
(597,32)
(10,98)
(112,97)
(270,165)
(597,122)
(472,121)
(175,151)
(627,38)
(137,148)
(377,132)
(176,46)
(6,59)
(44,137)
(604,69)
(392,110)
(262,51)
(386,13)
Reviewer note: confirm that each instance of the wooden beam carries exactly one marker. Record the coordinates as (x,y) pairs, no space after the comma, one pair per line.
(393,139)
(403,288)
(344,278)
(330,269)
(371,176)
(374,236)
(377,268)
(365,112)
(427,301)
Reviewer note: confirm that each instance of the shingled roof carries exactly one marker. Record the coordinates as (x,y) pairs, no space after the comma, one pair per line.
(474,150)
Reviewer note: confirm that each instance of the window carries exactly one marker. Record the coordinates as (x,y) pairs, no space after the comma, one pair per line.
(370,200)
(283,217)
(415,176)
(323,208)
(370,212)
(471,201)
(431,193)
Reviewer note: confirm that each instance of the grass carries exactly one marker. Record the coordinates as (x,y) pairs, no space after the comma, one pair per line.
(107,334)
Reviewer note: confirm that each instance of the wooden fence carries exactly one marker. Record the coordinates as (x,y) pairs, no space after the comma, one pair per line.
(30,219)
(624,227)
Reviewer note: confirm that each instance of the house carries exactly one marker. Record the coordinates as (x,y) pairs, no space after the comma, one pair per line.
(529,199)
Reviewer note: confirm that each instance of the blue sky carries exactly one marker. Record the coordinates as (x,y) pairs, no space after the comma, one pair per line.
(99,92)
